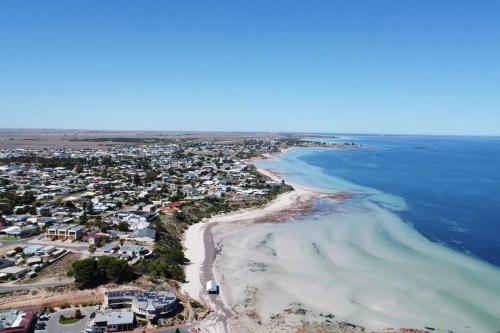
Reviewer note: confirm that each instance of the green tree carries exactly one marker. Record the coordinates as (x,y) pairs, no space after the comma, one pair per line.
(79,168)
(69,204)
(115,270)
(87,273)
(84,218)
(88,207)
(90,273)
(92,248)
(123,226)
(45,213)
(58,202)
(78,314)
(180,216)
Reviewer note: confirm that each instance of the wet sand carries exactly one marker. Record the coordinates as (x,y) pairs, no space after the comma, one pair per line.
(202,249)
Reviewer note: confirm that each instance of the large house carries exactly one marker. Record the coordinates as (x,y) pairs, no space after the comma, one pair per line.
(148,305)
(134,251)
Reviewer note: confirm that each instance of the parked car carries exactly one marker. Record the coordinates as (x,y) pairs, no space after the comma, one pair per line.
(40,326)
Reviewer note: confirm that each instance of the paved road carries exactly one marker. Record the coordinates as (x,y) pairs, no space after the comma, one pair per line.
(19,242)
(53,325)
(14,287)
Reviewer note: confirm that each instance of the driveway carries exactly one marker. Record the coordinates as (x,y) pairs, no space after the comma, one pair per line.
(53,325)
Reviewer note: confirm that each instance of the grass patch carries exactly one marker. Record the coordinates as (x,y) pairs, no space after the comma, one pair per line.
(63,320)
(8,238)
(68,320)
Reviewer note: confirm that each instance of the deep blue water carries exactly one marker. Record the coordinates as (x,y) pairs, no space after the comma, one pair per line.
(450,184)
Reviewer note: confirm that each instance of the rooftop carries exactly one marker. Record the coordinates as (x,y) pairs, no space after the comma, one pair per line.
(9,317)
(144,298)
(115,317)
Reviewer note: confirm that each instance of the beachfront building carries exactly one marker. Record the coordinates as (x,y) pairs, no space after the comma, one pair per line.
(149,305)
(131,251)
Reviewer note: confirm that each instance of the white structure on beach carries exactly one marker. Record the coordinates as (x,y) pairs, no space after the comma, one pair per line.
(212,287)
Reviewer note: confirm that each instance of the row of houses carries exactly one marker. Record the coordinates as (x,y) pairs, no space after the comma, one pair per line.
(65,231)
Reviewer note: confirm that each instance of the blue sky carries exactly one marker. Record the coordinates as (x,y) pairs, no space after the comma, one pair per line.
(374,66)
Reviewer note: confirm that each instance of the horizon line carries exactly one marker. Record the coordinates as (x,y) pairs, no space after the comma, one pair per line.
(41,129)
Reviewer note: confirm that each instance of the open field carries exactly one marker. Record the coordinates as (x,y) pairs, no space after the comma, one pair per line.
(55,138)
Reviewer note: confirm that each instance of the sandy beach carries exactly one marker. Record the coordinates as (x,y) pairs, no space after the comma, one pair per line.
(203,246)
(200,249)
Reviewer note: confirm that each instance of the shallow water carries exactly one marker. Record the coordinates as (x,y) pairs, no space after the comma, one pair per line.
(357,260)
(450,184)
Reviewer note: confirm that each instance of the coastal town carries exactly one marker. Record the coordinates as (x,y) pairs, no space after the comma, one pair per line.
(91,234)
(249,166)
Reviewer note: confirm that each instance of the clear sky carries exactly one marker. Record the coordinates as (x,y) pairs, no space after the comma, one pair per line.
(374,66)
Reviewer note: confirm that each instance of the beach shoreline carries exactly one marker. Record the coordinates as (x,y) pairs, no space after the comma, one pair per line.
(201,249)
(276,268)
